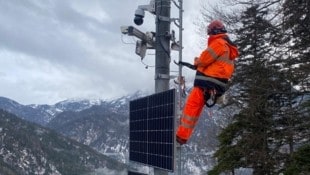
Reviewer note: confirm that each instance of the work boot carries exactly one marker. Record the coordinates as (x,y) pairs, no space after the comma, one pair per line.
(181,141)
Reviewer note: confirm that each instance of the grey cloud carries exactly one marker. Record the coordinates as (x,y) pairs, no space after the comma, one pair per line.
(28,32)
(85,55)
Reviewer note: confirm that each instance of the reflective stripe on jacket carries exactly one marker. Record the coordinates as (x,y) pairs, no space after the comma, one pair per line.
(218,59)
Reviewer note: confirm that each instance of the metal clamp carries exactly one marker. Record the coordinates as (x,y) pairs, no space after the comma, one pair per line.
(164,18)
(162,76)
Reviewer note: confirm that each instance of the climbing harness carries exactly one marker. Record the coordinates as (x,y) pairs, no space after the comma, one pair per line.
(210,95)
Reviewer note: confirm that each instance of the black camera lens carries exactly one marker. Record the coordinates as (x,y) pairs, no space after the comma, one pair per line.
(138,20)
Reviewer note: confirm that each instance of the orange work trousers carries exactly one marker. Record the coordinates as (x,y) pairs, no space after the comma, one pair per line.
(191,113)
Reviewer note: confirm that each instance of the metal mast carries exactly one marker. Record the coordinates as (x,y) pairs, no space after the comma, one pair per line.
(162,45)
(162,53)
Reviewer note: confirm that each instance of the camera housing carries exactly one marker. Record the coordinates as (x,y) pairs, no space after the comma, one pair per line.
(139,15)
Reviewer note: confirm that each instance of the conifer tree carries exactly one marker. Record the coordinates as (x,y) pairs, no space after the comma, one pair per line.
(296,25)
(274,60)
(301,162)
(245,143)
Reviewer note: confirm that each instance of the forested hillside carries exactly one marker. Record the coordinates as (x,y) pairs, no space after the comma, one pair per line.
(27,148)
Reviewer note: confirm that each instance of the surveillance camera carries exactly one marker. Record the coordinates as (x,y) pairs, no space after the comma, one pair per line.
(124,29)
(139,15)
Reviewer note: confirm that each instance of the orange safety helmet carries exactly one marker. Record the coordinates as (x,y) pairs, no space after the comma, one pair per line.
(216,27)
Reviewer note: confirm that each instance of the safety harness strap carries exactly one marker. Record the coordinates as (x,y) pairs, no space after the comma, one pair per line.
(205,78)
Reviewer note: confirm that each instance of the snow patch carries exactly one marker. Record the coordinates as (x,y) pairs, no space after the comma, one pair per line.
(105,170)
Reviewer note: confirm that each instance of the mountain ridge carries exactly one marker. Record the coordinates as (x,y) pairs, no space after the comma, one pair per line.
(44,113)
(105,127)
(27,148)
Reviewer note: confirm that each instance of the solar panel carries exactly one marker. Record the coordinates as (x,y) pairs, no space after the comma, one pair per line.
(151,133)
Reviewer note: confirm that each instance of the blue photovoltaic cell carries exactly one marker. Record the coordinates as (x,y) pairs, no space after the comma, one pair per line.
(151,135)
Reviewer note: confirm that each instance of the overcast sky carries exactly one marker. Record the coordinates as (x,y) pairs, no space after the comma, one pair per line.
(54,50)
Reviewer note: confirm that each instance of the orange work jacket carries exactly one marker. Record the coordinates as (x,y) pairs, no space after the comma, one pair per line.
(218,59)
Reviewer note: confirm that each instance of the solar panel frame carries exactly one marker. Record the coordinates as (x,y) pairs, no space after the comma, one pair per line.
(152,130)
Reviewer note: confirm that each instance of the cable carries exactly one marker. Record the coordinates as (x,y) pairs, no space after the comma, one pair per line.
(146,65)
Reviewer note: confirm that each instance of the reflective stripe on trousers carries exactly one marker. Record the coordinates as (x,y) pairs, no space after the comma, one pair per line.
(191,113)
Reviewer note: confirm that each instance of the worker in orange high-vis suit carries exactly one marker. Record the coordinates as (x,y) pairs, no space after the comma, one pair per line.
(215,66)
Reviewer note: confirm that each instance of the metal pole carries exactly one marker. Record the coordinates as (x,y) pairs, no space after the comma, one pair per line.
(162,53)
(180,73)
(162,45)
(180,39)
(180,6)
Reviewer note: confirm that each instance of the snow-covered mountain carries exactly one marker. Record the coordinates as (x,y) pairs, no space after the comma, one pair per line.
(104,126)
(25,112)
(43,113)
(27,148)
